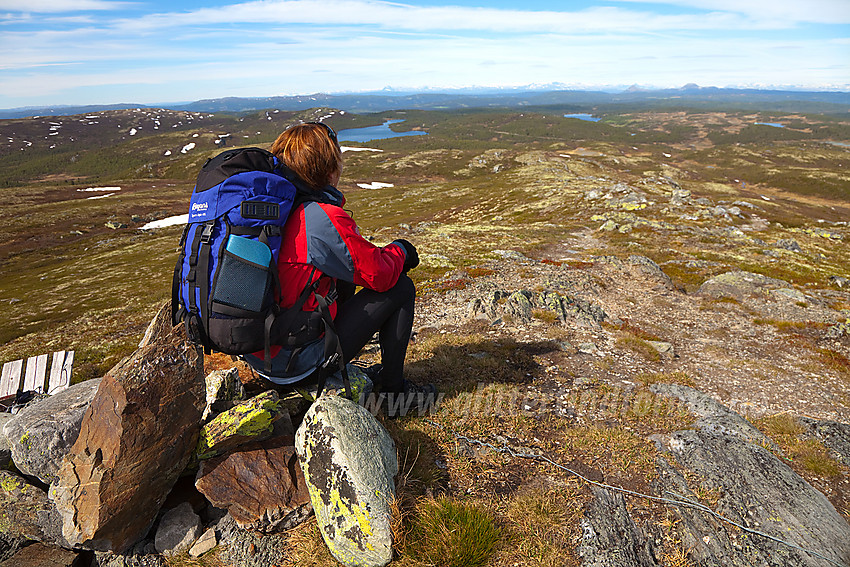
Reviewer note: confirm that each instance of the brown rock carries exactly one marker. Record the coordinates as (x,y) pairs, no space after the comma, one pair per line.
(135,440)
(159,327)
(261,485)
(39,555)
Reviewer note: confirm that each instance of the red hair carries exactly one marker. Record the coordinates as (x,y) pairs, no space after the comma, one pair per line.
(309,151)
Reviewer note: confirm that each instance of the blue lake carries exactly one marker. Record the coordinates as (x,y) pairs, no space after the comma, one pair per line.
(774,124)
(370,133)
(585,117)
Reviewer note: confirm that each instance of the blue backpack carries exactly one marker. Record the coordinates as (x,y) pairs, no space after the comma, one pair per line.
(226,286)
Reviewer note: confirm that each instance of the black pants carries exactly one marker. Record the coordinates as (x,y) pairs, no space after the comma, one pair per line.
(390,314)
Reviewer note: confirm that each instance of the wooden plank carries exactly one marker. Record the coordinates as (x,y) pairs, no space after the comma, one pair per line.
(60,371)
(11,378)
(36,370)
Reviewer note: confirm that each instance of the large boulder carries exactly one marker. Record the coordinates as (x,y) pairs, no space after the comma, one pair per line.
(26,512)
(136,438)
(41,434)
(261,485)
(349,463)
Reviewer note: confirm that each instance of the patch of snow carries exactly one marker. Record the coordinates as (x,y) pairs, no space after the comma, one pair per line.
(100,196)
(355,149)
(170,221)
(99,189)
(194,135)
(375,185)
(188,147)
(667,155)
(133,131)
(167,153)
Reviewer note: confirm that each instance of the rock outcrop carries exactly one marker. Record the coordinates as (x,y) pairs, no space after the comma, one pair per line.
(136,438)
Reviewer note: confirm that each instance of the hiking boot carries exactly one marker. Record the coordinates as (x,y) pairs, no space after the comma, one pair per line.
(413,399)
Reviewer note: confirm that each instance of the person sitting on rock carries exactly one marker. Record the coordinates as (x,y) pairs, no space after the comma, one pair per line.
(321,242)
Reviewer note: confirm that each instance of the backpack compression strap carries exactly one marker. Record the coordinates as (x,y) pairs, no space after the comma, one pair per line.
(333,348)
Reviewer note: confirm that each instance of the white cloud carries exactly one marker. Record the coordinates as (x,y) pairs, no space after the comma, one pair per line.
(46,6)
(789,11)
(392,16)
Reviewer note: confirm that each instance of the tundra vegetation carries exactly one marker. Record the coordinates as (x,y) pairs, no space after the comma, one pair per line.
(496,202)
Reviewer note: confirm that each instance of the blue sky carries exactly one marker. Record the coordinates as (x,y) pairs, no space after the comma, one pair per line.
(103,51)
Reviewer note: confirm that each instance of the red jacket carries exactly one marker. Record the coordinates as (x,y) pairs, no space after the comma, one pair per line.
(321,239)
(323,236)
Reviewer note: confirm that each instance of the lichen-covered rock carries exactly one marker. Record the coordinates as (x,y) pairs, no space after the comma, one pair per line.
(251,420)
(42,433)
(26,512)
(223,388)
(519,306)
(714,417)
(349,462)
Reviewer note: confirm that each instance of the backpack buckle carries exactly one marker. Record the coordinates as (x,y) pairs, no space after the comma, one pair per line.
(206,234)
(332,296)
(332,359)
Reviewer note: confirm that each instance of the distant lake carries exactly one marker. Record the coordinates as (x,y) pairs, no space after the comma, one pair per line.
(370,133)
(585,117)
(774,124)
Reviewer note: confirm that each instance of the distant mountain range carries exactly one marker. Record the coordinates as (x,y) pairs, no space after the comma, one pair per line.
(690,95)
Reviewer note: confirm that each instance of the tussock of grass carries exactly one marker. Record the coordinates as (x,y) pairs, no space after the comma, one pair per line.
(452,533)
(639,346)
(809,455)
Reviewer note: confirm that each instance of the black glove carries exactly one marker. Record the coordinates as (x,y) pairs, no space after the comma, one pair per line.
(412,259)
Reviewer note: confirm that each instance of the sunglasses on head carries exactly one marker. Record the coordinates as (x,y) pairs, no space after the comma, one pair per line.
(329,130)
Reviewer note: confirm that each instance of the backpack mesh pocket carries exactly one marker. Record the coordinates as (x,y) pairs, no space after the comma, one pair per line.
(244,280)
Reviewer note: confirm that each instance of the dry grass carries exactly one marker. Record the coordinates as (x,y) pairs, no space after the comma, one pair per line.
(807,455)
(638,346)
